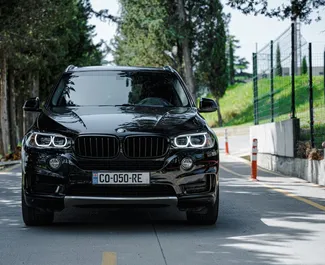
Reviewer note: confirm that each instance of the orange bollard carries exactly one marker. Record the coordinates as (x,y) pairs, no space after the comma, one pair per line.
(254,160)
(226,142)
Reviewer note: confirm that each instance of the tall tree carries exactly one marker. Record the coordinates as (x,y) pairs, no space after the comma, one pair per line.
(241,65)
(236,64)
(36,44)
(231,62)
(278,70)
(148,32)
(304,68)
(141,37)
(233,45)
(212,62)
(185,42)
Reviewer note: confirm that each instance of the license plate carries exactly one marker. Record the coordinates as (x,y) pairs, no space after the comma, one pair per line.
(109,178)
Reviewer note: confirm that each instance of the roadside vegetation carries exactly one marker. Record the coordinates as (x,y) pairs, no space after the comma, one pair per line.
(36,45)
(237,103)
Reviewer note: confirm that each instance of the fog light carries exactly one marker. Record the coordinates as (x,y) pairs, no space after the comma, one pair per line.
(55,163)
(187,163)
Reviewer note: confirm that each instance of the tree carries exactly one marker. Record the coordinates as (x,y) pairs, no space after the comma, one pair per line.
(231,62)
(241,65)
(141,37)
(278,70)
(294,9)
(148,32)
(304,69)
(185,43)
(236,65)
(212,39)
(36,44)
(188,34)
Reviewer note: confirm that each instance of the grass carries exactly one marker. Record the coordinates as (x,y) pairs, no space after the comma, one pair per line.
(237,104)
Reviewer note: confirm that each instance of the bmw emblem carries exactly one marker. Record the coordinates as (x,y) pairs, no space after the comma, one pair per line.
(120,130)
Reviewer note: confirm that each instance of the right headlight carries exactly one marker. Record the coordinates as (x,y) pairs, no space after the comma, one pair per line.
(197,140)
(48,140)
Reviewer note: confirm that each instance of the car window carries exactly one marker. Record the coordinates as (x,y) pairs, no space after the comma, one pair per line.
(95,88)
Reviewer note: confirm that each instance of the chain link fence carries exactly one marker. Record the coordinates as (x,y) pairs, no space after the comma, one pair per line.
(288,78)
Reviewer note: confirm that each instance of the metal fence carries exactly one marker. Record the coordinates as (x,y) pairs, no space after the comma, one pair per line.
(288,79)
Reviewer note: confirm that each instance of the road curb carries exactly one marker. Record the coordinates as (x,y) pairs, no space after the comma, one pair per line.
(6,164)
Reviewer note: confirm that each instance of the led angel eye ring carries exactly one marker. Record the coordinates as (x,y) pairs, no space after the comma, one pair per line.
(179,145)
(59,145)
(199,145)
(42,145)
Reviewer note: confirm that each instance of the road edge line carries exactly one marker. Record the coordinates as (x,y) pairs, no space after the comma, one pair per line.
(109,258)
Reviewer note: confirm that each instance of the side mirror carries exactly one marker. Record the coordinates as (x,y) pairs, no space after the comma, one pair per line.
(207,105)
(32,104)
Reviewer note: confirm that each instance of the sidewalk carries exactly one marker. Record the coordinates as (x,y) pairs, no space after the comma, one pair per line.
(296,188)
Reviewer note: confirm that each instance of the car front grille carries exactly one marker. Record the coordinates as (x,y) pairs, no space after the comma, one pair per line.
(120,165)
(134,147)
(121,191)
(145,147)
(96,146)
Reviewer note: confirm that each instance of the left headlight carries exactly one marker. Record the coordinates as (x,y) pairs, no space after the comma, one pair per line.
(48,140)
(197,140)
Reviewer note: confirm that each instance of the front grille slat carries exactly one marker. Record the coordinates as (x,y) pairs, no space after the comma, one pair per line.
(88,146)
(102,147)
(133,147)
(143,147)
(163,145)
(96,147)
(85,146)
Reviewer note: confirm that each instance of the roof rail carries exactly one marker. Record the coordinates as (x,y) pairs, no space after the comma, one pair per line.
(70,67)
(168,68)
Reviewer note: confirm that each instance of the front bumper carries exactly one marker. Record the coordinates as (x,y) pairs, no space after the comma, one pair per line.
(71,185)
(58,203)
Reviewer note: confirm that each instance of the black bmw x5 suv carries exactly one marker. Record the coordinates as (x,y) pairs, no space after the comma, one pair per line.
(116,137)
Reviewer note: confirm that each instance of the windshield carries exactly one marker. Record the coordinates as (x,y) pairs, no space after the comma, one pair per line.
(111,88)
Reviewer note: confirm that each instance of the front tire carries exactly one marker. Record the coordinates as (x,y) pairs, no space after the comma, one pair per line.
(35,217)
(208,218)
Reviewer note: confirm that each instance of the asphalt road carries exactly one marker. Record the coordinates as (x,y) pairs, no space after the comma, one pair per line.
(277,220)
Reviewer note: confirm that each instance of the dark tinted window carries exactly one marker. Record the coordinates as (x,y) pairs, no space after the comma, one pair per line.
(118,88)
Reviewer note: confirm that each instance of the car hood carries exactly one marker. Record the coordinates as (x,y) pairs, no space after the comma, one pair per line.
(107,120)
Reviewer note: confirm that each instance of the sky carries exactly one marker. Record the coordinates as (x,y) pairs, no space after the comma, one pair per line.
(250,30)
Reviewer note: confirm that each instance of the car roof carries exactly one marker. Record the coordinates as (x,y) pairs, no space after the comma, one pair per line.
(72,68)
